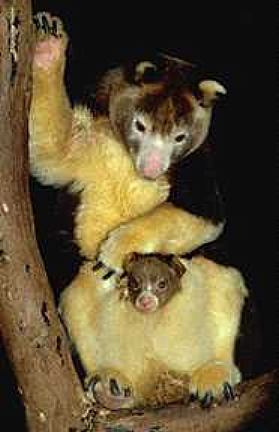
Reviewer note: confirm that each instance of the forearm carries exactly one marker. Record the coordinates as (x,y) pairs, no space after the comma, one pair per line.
(166,230)
(50,120)
(51,116)
(177,231)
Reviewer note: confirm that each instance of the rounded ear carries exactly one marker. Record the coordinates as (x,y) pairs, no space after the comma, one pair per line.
(130,259)
(177,266)
(142,70)
(210,91)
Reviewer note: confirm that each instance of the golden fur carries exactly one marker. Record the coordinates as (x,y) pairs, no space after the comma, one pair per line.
(193,333)
(70,147)
(122,212)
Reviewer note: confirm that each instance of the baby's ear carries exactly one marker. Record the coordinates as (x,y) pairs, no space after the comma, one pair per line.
(210,91)
(130,259)
(177,266)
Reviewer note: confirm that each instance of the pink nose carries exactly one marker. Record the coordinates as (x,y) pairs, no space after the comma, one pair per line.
(146,303)
(153,164)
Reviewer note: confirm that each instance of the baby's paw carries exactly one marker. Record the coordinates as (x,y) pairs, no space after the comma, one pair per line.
(214,380)
(111,391)
(51,41)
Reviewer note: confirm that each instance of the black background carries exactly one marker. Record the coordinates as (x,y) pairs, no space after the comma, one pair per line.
(232,41)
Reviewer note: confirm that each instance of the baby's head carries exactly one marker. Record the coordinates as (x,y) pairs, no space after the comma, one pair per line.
(152,280)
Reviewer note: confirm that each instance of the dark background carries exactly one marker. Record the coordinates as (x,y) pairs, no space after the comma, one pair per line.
(233,43)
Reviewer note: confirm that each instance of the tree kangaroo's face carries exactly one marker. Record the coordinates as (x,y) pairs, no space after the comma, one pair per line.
(152,282)
(163,129)
(160,125)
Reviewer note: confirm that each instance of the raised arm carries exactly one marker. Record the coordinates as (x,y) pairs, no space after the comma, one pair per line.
(51,116)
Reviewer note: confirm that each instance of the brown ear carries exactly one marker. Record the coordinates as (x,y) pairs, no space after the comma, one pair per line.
(141,69)
(130,259)
(177,266)
(210,91)
(113,80)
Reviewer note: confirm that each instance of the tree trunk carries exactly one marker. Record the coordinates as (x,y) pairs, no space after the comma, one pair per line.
(30,328)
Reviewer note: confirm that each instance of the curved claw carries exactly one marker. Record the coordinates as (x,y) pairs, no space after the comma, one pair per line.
(207,400)
(192,397)
(50,25)
(36,22)
(127,392)
(108,274)
(114,387)
(54,29)
(100,265)
(110,393)
(97,266)
(90,387)
(228,391)
(45,24)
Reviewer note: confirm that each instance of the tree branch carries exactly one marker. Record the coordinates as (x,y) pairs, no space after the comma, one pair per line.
(257,406)
(30,329)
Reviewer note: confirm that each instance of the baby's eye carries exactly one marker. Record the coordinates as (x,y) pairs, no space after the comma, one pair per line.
(133,284)
(140,126)
(162,285)
(180,137)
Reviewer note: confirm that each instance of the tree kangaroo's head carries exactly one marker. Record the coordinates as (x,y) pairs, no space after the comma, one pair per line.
(157,113)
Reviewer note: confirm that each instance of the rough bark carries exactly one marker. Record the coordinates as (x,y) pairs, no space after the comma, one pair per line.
(256,407)
(30,328)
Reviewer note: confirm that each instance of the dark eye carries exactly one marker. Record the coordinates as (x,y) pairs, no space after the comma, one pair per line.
(162,285)
(140,126)
(180,137)
(133,284)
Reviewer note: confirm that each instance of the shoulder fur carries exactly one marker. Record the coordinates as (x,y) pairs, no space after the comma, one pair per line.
(82,124)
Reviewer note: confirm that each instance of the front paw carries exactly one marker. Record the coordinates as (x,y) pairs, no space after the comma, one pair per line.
(214,380)
(121,242)
(51,41)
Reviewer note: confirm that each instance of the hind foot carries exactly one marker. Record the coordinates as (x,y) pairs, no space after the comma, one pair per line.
(213,381)
(111,391)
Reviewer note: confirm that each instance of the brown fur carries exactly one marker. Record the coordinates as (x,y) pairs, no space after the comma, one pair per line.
(151,279)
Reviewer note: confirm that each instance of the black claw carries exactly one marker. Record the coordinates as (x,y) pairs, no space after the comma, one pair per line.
(45,24)
(127,392)
(36,22)
(54,29)
(114,387)
(193,397)
(108,275)
(207,400)
(97,266)
(92,383)
(228,392)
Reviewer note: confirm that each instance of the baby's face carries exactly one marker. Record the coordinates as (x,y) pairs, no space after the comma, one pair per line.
(151,283)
